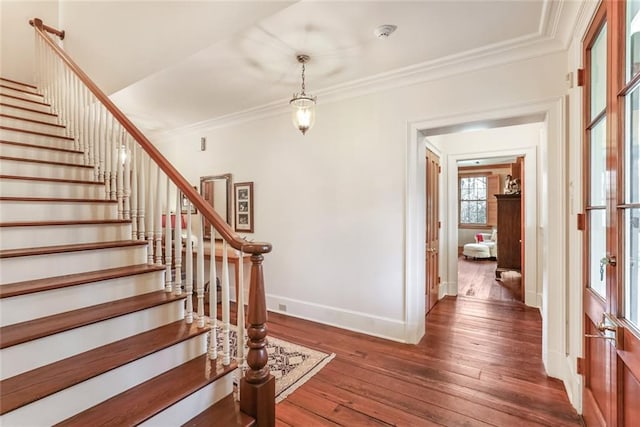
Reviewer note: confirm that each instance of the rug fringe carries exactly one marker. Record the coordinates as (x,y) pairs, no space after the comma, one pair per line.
(283,395)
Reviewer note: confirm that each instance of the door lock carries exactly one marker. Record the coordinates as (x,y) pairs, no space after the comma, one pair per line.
(604,261)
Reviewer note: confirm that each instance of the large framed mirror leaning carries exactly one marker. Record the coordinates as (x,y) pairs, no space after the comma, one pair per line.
(216,190)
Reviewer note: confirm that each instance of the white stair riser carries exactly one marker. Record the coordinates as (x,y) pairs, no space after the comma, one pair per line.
(25,104)
(32,188)
(18,269)
(29,138)
(19,112)
(45,170)
(36,153)
(66,403)
(33,354)
(14,211)
(181,412)
(20,93)
(50,235)
(18,86)
(35,127)
(46,303)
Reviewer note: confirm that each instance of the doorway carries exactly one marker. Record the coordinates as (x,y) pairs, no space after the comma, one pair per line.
(490,232)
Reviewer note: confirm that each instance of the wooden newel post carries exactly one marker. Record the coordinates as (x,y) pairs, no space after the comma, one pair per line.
(257,387)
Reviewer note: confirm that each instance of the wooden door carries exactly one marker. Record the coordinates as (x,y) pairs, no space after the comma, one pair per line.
(611,304)
(432,243)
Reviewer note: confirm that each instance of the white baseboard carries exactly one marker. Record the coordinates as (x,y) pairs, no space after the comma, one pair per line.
(382,327)
(573,384)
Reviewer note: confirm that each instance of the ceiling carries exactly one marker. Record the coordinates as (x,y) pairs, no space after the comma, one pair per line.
(222,58)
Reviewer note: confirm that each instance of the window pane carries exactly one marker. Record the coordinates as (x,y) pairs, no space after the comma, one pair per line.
(597,250)
(598,164)
(633,38)
(599,73)
(631,266)
(473,200)
(632,148)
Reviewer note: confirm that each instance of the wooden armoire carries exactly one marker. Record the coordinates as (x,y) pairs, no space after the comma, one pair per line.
(509,233)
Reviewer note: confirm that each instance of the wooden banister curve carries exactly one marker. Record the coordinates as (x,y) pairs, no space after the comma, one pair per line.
(55,31)
(206,209)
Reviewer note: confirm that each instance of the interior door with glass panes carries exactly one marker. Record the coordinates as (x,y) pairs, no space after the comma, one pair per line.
(612,208)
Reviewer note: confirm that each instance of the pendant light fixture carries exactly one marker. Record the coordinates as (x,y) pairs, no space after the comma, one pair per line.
(303,105)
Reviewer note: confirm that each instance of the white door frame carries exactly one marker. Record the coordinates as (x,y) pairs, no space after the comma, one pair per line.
(548,225)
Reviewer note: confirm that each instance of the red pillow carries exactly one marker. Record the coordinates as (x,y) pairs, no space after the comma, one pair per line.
(479,238)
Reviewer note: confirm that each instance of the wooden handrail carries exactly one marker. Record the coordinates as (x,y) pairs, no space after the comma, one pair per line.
(206,209)
(59,33)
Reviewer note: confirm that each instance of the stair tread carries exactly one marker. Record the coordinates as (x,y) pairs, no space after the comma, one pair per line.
(49,283)
(226,413)
(142,402)
(24,99)
(60,180)
(18,83)
(36,384)
(4,104)
(40,122)
(45,250)
(47,162)
(54,199)
(28,92)
(19,333)
(41,147)
(32,132)
(62,222)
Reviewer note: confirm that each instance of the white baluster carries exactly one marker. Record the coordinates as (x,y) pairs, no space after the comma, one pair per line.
(213,300)
(134,190)
(149,209)
(168,248)
(158,216)
(120,159)
(113,158)
(126,185)
(189,261)
(240,311)
(226,357)
(200,278)
(142,196)
(178,245)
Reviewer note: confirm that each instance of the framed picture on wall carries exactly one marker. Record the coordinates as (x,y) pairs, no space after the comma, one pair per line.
(243,197)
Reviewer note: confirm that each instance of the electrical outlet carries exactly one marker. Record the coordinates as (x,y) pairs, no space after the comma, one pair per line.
(282,307)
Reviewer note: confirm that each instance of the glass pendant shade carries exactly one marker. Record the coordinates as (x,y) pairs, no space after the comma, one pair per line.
(303,112)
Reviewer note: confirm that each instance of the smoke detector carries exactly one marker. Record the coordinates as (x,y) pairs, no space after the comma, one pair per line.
(384,31)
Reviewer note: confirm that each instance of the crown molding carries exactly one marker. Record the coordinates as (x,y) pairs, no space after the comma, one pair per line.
(543,42)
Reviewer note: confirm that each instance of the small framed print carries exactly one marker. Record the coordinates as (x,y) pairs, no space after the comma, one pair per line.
(243,196)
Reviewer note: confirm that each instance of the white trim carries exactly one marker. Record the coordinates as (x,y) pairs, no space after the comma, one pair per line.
(383,327)
(414,211)
(530,216)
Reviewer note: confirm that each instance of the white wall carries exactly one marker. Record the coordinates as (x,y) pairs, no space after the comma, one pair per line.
(17,36)
(333,202)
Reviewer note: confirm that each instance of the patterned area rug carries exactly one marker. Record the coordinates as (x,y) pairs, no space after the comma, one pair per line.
(291,364)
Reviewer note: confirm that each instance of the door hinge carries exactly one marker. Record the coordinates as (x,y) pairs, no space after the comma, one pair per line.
(580,365)
(582,221)
(438,280)
(580,75)
(439,169)
(439,224)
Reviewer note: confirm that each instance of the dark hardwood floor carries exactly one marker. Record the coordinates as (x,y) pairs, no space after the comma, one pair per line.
(478,364)
(476,278)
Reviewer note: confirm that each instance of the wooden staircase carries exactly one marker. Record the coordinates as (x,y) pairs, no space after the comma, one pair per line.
(88,334)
